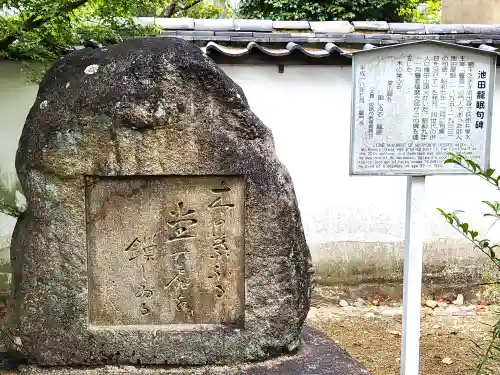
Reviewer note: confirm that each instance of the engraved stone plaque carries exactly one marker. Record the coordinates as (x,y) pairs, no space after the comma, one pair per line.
(165,250)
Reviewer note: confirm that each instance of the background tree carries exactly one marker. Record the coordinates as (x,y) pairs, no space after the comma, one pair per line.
(43,30)
(331,10)
(422,11)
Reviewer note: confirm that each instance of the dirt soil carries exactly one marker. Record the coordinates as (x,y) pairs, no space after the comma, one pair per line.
(372,334)
(375,339)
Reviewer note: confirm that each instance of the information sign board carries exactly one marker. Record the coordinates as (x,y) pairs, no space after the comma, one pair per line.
(414,103)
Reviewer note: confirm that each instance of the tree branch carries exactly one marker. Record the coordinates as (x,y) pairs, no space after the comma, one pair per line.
(173,8)
(189,6)
(170,10)
(34,22)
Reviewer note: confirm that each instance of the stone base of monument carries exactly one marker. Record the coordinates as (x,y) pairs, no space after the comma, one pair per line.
(317,355)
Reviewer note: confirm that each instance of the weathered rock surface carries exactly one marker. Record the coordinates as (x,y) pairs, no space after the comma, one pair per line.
(318,355)
(146,107)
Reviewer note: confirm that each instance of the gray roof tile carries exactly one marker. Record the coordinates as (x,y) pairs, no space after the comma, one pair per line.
(291,25)
(210,38)
(481,29)
(185,37)
(247,38)
(355,38)
(331,35)
(389,41)
(308,52)
(444,29)
(407,28)
(196,33)
(175,23)
(411,37)
(485,47)
(381,36)
(260,40)
(373,41)
(342,27)
(303,35)
(323,40)
(287,39)
(270,37)
(214,25)
(168,32)
(234,33)
(253,25)
(290,47)
(370,25)
(469,41)
(447,37)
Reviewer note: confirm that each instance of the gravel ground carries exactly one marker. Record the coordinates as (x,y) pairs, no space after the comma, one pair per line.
(372,334)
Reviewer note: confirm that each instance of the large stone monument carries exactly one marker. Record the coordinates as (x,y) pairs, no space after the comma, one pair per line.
(161,228)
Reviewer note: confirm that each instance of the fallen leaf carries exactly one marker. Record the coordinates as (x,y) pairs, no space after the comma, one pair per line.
(395,333)
(445,300)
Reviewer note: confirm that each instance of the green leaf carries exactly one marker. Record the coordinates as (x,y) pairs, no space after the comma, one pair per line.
(491,215)
(484,243)
(489,172)
(465,227)
(473,165)
(491,204)
(441,211)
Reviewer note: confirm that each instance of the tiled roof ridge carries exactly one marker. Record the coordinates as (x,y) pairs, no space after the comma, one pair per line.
(316,27)
(237,38)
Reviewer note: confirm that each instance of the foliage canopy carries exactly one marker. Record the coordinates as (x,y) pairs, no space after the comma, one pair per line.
(42,30)
(344,10)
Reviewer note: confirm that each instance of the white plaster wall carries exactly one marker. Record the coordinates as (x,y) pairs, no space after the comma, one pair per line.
(16,98)
(308,110)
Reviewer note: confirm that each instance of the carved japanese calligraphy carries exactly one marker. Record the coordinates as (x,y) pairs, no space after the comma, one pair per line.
(176,246)
(182,220)
(146,245)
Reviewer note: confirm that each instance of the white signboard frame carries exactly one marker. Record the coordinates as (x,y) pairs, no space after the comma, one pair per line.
(393,70)
(375,152)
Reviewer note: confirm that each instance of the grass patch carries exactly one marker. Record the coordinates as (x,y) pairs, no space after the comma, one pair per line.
(329,273)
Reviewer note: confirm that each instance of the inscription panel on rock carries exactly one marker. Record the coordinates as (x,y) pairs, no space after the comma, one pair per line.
(165,250)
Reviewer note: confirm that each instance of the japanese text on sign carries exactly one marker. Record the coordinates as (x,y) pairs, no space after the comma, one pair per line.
(414,104)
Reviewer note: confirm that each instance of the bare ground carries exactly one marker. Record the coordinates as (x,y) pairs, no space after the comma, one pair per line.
(374,337)
(375,340)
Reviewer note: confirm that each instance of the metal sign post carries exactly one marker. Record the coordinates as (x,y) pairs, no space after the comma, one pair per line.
(412,105)
(412,284)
